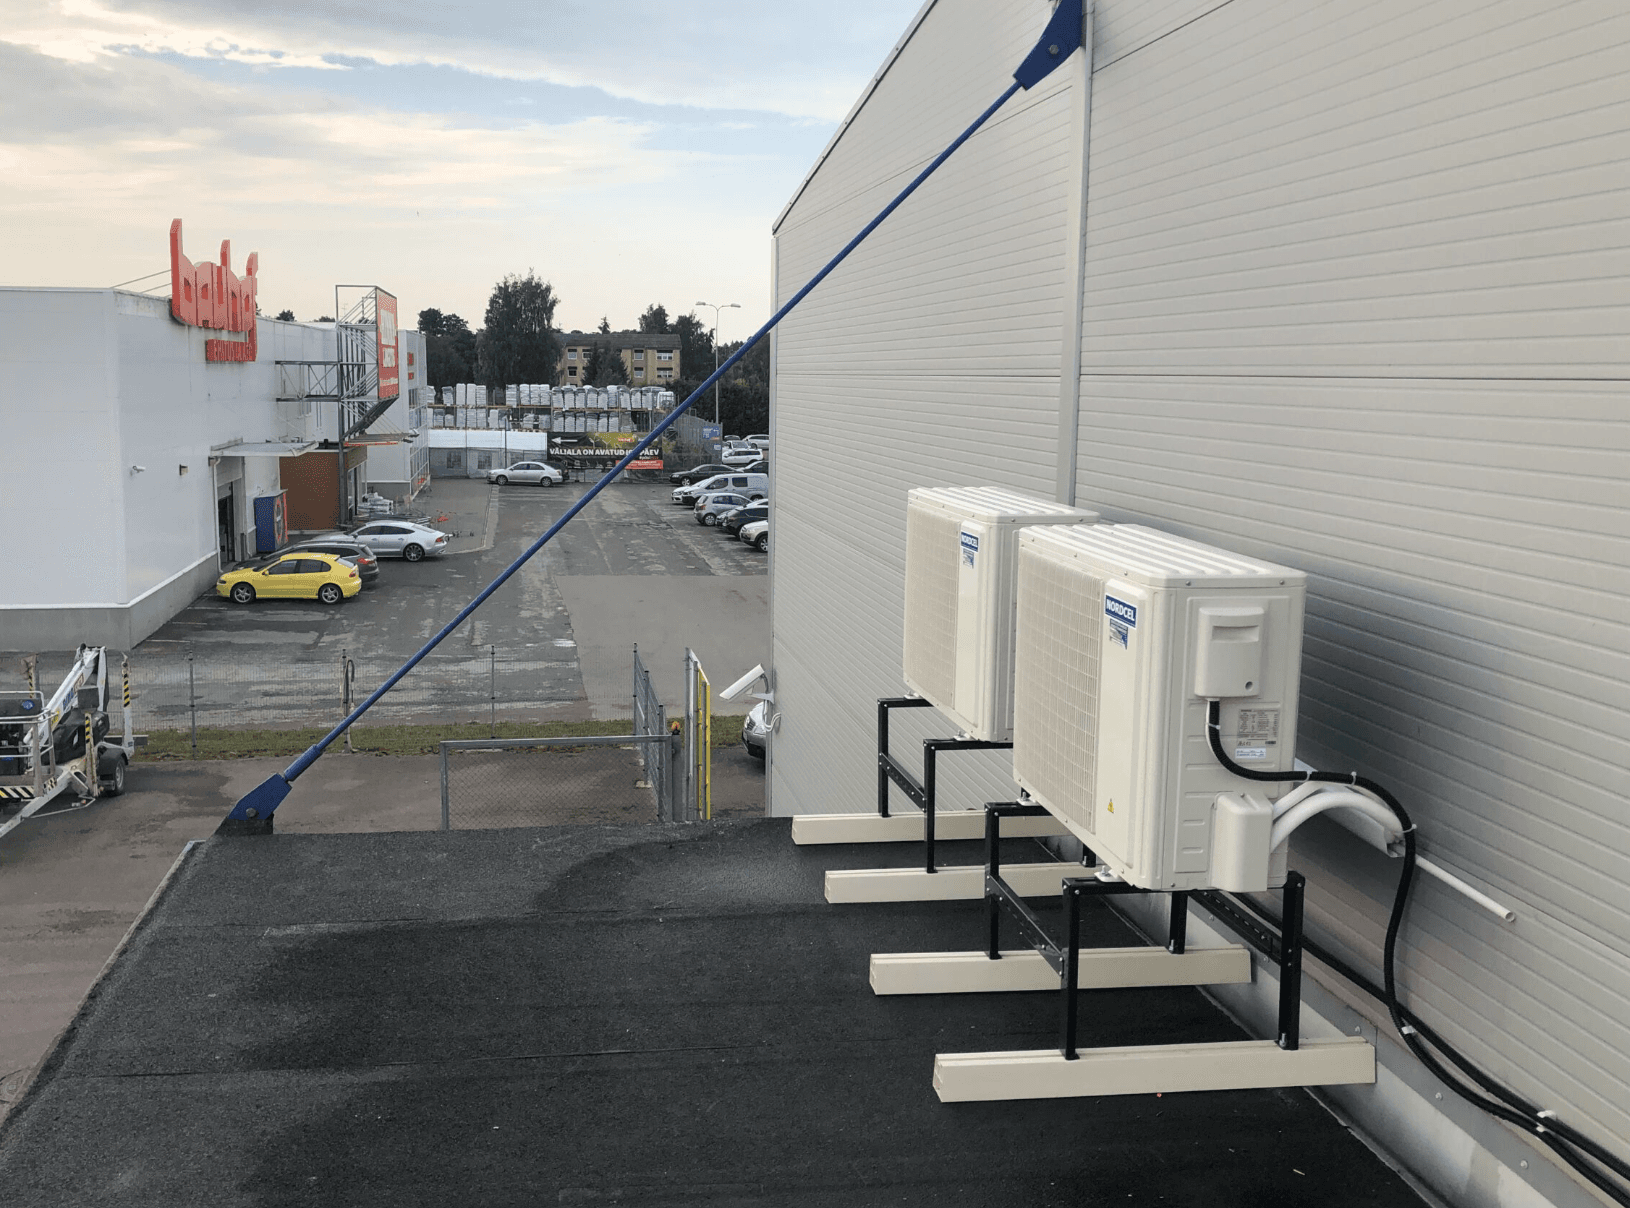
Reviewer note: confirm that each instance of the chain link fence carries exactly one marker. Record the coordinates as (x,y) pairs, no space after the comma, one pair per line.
(493,784)
(186,690)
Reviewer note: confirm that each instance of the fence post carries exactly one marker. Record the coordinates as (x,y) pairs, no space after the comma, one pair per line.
(446,816)
(346,674)
(493,695)
(192,701)
(689,794)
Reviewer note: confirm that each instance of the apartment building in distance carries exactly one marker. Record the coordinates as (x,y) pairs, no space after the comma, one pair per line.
(651,360)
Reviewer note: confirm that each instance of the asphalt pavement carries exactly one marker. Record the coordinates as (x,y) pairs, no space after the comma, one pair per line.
(555,642)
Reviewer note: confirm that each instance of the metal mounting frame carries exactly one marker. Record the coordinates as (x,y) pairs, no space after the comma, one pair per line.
(926,823)
(932,882)
(1142,1068)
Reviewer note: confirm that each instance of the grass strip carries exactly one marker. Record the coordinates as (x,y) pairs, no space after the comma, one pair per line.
(217,743)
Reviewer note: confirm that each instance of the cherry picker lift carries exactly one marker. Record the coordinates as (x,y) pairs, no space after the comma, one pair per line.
(57,752)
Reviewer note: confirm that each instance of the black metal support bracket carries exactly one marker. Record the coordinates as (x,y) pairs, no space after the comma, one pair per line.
(1284,949)
(1064,955)
(891,770)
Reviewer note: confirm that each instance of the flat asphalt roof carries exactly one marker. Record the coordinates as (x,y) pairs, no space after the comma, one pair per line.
(605,1014)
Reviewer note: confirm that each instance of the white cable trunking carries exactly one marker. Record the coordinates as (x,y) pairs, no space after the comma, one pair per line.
(961,558)
(1123,633)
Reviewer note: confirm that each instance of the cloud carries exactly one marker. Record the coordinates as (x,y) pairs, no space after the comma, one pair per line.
(630,158)
(799,60)
(101,156)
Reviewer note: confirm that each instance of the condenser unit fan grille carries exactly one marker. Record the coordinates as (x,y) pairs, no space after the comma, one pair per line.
(1055,683)
(929,655)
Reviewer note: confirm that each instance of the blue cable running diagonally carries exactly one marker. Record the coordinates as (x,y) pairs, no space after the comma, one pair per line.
(1061,37)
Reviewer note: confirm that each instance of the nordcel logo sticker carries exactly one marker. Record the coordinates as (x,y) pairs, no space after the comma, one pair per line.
(1121,611)
(970,547)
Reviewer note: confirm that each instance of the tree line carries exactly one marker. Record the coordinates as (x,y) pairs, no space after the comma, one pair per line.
(518,342)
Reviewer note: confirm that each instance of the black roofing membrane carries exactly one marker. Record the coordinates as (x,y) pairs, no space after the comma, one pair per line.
(604,1015)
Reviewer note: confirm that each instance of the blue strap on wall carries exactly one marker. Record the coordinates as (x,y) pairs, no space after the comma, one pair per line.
(1059,40)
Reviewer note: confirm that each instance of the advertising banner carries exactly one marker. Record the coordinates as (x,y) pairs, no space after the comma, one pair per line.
(390,383)
(603,447)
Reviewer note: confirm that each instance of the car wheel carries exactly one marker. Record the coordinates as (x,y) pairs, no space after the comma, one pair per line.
(330,593)
(112,775)
(709,518)
(763,543)
(413,553)
(501,480)
(685,482)
(242,593)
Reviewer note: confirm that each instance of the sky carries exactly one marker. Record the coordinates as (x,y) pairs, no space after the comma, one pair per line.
(628,151)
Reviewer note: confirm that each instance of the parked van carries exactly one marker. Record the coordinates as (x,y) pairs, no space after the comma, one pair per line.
(754,486)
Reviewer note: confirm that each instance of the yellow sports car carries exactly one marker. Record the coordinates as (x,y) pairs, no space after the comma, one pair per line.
(302,576)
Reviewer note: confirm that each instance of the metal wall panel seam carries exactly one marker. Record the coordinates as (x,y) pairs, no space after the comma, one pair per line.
(775,341)
(1075,276)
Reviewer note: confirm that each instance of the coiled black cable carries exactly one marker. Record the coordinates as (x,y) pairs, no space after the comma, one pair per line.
(1505,1104)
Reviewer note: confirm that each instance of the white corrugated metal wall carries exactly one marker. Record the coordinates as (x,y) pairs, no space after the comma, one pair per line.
(948,320)
(1354,299)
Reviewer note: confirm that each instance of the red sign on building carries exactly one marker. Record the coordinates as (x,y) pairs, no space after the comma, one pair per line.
(213,296)
(390,380)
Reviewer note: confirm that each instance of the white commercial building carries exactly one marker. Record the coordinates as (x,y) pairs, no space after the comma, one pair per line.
(131,463)
(1340,287)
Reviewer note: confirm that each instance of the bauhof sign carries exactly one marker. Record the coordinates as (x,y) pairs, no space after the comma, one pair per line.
(213,296)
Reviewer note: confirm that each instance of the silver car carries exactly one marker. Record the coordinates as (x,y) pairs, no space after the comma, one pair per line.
(709,508)
(537,472)
(401,539)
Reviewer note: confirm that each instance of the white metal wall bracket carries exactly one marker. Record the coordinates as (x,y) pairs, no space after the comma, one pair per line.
(1021,969)
(1151,1069)
(950,884)
(872,827)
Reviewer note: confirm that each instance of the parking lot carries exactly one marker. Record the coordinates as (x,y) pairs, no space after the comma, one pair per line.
(555,642)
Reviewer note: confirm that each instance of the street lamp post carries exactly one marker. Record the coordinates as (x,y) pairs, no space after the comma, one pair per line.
(716,310)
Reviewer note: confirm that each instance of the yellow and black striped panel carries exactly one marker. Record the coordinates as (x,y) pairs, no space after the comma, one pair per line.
(16,793)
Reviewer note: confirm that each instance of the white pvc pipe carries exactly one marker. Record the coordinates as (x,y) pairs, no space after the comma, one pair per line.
(1459,886)
(1332,798)
(1300,793)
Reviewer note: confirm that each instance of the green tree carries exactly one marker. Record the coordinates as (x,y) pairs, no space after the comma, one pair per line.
(517,342)
(605,367)
(605,326)
(285,316)
(449,347)
(695,349)
(744,391)
(654,322)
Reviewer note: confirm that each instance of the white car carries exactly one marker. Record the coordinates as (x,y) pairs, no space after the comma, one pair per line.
(757,535)
(741,456)
(539,472)
(754,486)
(761,440)
(709,508)
(401,539)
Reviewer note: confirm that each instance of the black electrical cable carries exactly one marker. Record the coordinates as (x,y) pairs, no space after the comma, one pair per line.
(1505,1104)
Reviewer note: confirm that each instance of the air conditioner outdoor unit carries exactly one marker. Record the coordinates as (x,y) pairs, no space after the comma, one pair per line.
(961,555)
(1123,634)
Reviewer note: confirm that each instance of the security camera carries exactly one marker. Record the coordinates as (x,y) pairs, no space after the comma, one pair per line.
(744,683)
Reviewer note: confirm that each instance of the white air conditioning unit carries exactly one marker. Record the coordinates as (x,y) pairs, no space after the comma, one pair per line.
(961,555)
(1123,634)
